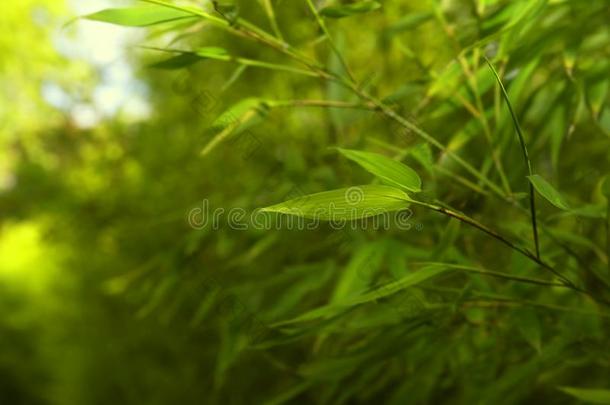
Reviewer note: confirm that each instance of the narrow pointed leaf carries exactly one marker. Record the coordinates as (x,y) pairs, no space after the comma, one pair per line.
(213,52)
(594,396)
(606,186)
(548,191)
(386,290)
(389,170)
(350,9)
(140,16)
(177,62)
(410,22)
(238,110)
(345,204)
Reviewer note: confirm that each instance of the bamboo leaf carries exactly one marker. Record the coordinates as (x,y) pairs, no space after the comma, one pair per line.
(140,16)
(213,52)
(345,204)
(530,328)
(408,281)
(596,95)
(177,62)
(606,186)
(235,120)
(237,111)
(409,22)
(350,9)
(596,396)
(389,170)
(546,190)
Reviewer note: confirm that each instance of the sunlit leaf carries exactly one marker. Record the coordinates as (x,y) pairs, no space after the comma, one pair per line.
(235,120)
(548,191)
(140,16)
(213,52)
(237,111)
(389,170)
(345,204)
(349,9)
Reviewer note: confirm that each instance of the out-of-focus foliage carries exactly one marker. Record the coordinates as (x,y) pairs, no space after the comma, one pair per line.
(118,285)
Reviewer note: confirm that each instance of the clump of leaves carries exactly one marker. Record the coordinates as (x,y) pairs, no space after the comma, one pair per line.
(404,316)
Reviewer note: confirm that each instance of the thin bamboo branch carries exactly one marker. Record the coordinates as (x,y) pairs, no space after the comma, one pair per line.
(330,40)
(525,156)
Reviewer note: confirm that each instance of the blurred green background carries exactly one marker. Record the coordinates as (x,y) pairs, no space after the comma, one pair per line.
(110,292)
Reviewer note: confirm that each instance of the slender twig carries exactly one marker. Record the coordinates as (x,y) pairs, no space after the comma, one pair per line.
(389,112)
(608,228)
(330,40)
(494,297)
(245,29)
(241,61)
(525,156)
(472,82)
(478,270)
(321,103)
(497,302)
(272,20)
(474,223)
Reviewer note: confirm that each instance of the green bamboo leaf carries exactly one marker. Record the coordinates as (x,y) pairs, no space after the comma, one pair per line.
(237,111)
(349,9)
(529,326)
(140,16)
(345,204)
(176,62)
(589,211)
(409,22)
(213,52)
(423,154)
(407,281)
(389,170)
(235,120)
(606,186)
(548,191)
(386,290)
(361,269)
(596,396)
(596,95)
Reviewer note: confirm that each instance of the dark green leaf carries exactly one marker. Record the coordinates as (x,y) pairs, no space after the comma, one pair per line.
(606,186)
(548,191)
(410,280)
(350,9)
(177,62)
(595,396)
